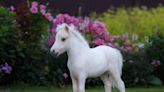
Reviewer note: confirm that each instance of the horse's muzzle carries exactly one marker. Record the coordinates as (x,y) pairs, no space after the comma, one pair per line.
(55,54)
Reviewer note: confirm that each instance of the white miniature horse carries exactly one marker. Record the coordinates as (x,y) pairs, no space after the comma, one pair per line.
(84,62)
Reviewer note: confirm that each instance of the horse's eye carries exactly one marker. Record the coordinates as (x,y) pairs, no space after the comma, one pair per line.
(63,39)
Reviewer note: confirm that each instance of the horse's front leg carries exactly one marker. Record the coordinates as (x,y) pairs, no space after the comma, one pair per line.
(81,83)
(74,83)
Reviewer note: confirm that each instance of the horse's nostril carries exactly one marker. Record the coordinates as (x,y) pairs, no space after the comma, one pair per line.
(53,51)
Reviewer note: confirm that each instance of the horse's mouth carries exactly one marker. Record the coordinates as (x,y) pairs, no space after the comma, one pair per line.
(56,55)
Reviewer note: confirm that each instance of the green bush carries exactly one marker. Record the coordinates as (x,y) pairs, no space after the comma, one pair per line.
(155,54)
(137,71)
(146,66)
(24,47)
(8,44)
(141,21)
(20,38)
(31,62)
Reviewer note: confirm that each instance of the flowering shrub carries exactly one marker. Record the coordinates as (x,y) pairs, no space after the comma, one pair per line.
(55,73)
(135,72)
(95,30)
(8,44)
(128,43)
(36,8)
(22,35)
(97,34)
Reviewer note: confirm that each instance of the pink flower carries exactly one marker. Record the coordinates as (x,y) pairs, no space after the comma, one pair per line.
(83,25)
(106,38)
(105,32)
(42,7)
(34,10)
(60,18)
(111,45)
(99,31)
(98,28)
(99,41)
(127,43)
(34,4)
(43,12)
(65,75)
(65,18)
(111,38)
(53,31)
(54,20)
(49,16)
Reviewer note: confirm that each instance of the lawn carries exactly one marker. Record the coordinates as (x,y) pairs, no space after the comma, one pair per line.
(52,89)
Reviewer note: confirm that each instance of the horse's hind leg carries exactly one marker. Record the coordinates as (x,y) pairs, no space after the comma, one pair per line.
(118,82)
(107,82)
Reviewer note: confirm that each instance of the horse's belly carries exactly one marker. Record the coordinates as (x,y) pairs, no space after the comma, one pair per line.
(96,73)
(97,67)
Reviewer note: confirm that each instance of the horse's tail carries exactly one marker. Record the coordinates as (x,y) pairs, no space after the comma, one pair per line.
(120,61)
(120,65)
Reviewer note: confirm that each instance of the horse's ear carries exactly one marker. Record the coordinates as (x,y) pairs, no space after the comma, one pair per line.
(67,29)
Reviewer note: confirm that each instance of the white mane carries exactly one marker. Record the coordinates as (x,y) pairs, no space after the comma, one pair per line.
(78,35)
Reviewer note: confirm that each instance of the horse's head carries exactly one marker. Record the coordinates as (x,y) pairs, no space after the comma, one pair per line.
(62,39)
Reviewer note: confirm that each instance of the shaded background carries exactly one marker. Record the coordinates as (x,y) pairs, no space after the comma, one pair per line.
(87,6)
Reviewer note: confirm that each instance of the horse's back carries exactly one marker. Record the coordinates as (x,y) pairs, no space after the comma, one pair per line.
(113,56)
(109,52)
(98,60)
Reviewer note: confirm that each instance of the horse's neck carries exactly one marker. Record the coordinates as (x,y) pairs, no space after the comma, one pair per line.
(76,48)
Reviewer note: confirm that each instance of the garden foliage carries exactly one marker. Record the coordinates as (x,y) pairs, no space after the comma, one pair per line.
(141,21)
(24,50)
(8,47)
(155,54)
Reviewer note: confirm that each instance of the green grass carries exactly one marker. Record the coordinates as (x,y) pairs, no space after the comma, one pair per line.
(52,89)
